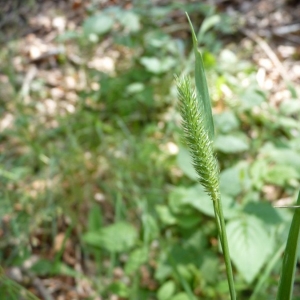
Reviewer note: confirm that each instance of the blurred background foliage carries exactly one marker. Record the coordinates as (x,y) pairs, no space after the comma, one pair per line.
(98,196)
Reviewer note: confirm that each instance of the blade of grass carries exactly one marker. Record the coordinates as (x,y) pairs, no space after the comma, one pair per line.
(285,289)
(201,84)
(14,288)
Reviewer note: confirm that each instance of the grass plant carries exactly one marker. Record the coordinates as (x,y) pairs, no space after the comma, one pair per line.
(195,109)
(198,127)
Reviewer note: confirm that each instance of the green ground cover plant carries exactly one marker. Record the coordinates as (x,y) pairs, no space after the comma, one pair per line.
(115,177)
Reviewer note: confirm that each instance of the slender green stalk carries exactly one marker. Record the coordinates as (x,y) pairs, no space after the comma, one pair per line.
(225,248)
(285,289)
(204,161)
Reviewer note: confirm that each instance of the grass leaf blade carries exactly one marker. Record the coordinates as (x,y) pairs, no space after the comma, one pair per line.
(286,283)
(201,85)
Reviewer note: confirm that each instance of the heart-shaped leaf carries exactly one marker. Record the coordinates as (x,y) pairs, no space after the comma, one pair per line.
(250,245)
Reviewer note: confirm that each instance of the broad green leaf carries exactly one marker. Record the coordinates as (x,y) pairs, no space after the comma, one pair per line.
(185,271)
(136,259)
(197,240)
(201,85)
(250,245)
(210,268)
(45,267)
(130,21)
(177,201)
(97,24)
(181,296)
(231,144)
(226,122)
(184,161)
(264,211)
(182,255)
(163,270)
(166,291)
(197,198)
(158,66)
(63,269)
(251,97)
(258,172)
(135,88)
(288,123)
(165,215)
(290,107)
(230,182)
(156,39)
(235,179)
(159,40)
(119,288)
(230,65)
(159,12)
(117,237)
(265,275)
(285,157)
(228,59)
(280,175)
(188,221)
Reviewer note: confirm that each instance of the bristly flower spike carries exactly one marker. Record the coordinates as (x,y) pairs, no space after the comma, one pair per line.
(196,135)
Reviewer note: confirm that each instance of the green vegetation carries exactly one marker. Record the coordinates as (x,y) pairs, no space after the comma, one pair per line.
(103,190)
(198,126)
(285,290)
